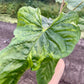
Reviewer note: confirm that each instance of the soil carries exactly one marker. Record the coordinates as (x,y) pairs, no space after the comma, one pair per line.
(74,70)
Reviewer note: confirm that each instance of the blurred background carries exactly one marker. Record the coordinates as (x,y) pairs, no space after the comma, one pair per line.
(49,8)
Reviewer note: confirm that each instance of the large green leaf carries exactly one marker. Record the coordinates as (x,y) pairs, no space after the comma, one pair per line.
(46,70)
(71,4)
(33,42)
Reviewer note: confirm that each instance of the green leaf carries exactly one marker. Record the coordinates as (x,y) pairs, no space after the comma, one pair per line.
(71,4)
(81,23)
(46,70)
(33,42)
(13,59)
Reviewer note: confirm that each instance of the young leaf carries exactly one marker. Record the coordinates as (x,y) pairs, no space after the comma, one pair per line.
(74,4)
(46,70)
(33,42)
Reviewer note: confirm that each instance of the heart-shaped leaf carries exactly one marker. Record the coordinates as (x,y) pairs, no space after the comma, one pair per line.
(33,42)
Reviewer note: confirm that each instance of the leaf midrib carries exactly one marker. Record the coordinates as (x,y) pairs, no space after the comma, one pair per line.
(43,31)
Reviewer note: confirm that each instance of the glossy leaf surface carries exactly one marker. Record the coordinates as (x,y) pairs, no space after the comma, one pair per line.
(33,42)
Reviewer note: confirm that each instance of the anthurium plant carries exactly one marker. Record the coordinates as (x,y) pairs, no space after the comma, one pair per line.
(38,44)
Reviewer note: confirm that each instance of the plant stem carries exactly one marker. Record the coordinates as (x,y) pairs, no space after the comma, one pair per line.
(65,4)
(77,6)
(61,8)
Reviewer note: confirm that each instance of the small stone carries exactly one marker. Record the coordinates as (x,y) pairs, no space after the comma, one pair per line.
(6,41)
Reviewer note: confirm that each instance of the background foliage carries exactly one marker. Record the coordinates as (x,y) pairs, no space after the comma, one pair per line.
(49,8)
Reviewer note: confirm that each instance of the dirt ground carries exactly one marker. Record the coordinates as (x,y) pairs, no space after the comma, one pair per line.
(74,70)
